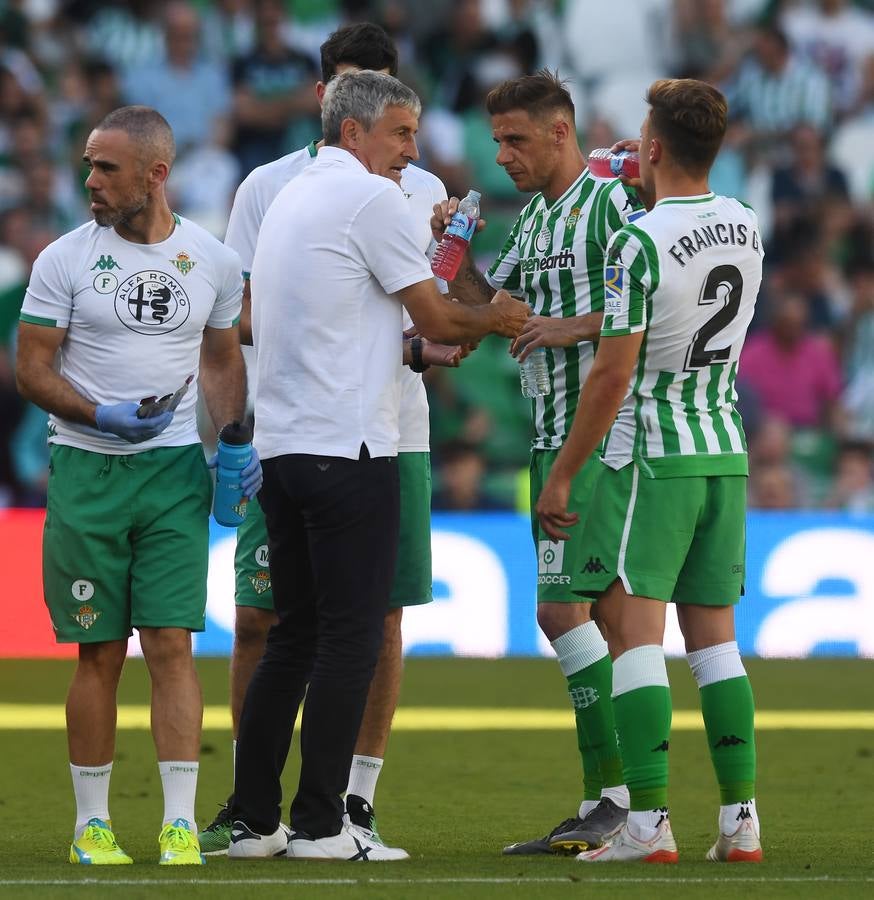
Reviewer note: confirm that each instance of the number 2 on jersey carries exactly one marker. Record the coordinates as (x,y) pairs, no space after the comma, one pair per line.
(724,285)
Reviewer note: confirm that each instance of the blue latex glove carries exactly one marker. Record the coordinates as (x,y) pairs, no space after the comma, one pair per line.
(251,476)
(121,419)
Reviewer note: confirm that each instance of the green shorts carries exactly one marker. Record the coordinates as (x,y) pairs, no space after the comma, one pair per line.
(681,540)
(557,562)
(412,583)
(126,542)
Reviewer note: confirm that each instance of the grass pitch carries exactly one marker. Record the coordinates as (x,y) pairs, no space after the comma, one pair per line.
(481,757)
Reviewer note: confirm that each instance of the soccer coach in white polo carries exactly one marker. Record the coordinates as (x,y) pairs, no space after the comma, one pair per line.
(335,261)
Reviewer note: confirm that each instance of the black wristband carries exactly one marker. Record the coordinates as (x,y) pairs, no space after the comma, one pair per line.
(416,363)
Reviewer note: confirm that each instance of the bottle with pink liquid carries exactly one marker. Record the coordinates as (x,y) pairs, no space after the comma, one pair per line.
(448,255)
(604,164)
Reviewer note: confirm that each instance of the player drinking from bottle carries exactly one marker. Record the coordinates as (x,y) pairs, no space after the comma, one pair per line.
(666,518)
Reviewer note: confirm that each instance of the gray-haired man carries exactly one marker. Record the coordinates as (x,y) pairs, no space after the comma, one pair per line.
(335,261)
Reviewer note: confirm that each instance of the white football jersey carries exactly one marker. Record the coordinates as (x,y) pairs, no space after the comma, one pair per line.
(134,315)
(688,274)
(422,190)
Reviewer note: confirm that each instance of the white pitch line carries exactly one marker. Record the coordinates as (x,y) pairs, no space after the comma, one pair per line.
(290,882)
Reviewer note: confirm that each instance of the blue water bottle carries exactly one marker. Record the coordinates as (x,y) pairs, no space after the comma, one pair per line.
(234,453)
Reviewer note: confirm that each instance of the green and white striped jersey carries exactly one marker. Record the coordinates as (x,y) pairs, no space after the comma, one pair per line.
(554,259)
(687,274)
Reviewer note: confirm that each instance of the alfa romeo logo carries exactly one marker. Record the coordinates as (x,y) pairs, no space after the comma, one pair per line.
(151,302)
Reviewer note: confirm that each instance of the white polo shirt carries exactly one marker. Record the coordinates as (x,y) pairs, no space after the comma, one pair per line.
(333,248)
(422,190)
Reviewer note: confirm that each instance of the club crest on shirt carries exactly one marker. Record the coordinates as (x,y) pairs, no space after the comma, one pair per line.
(614,283)
(184,262)
(573,217)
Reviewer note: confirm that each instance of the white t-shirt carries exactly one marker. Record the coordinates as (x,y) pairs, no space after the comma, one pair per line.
(134,315)
(333,248)
(422,190)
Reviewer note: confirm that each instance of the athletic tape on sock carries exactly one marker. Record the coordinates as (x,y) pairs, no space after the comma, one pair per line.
(579,648)
(638,668)
(717,663)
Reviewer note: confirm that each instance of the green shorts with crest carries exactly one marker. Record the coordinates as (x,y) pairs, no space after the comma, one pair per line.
(126,542)
(412,582)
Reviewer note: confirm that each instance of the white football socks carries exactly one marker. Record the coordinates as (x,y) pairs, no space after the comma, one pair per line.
(363,776)
(644,823)
(618,794)
(179,780)
(91,790)
(731,817)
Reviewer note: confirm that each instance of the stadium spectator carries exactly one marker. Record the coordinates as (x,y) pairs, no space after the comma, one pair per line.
(454,53)
(775,91)
(228,30)
(129,497)
(794,371)
(183,73)
(857,338)
(772,486)
(125,34)
(838,38)
(460,479)
(272,90)
(808,186)
(709,46)
(853,488)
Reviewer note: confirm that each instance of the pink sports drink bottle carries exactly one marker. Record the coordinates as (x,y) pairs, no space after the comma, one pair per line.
(448,255)
(604,164)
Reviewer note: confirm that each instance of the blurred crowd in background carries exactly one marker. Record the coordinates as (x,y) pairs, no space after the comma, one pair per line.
(235,80)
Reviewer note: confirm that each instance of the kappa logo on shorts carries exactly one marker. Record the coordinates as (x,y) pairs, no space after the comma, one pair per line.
(260,582)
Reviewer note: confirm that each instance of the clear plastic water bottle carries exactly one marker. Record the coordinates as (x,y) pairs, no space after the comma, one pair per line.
(234,453)
(534,374)
(450,251)
(604,164)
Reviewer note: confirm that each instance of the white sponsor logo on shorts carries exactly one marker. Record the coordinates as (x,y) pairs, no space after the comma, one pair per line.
(550,557)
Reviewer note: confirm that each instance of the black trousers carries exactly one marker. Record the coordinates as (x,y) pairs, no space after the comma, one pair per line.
(332,526)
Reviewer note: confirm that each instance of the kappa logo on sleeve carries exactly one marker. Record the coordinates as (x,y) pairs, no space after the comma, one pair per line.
(614,290)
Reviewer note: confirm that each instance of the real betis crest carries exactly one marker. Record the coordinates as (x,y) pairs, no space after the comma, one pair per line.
(573,217)
(86,616)
(241,508)
(183,262)
(260,581)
